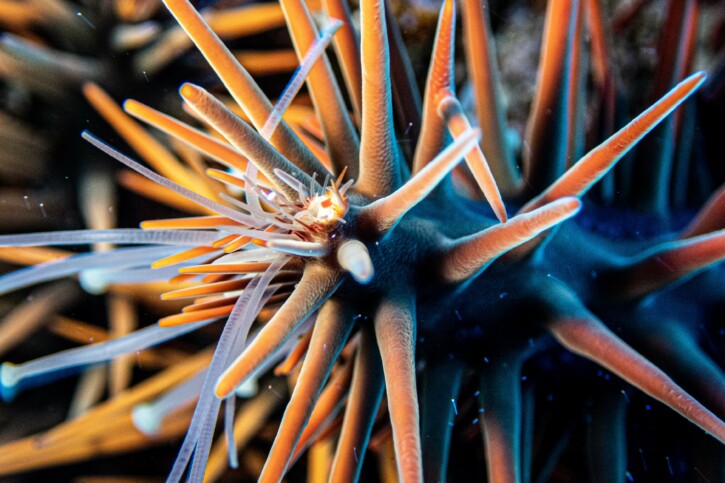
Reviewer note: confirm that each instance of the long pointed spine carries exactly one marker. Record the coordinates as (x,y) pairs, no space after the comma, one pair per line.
(677,43)
(675,349)
(440,78)
(406,98)
(670,263)
(362,406)
(601,66)
(588,337)
(451,110)
(160,180)
(595,164)
(151,150)
(439,392)
(340,137)
(711,217)
(547,133)
(316,285)
(604,77)
(384,213)
(243,137)
(481,61)
(501,419)
(329,334)
(467,256)
(199,140)
(395,332)
(324,420)
(379,157)
(576,97)
(347,46)
(240,84)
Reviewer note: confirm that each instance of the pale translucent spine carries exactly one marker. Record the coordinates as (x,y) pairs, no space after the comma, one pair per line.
(148,417)
(294,85)
(260,235)
(97,280)
(11,375)
(198,439)
(121,236)
(246,256)
(167,183)
(117,259)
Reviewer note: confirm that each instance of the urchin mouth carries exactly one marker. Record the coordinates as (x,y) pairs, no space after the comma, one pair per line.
(327,208)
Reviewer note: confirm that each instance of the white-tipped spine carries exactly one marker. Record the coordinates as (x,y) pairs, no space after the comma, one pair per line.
(354,257)
(96,281)
(148,417)
(93,354)
(9,375)
(123,236)
(121,258)
(167,183)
